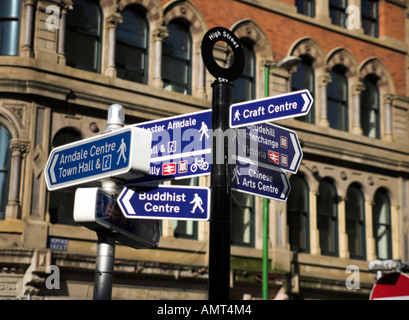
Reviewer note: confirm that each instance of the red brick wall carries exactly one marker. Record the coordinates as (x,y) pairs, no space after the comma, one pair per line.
(283,31)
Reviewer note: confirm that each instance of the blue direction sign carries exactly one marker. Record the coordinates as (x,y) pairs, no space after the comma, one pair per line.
(122,153)
(97,210)
(271,145)
(166,202)
(294,104)
(181,147)
(260,180)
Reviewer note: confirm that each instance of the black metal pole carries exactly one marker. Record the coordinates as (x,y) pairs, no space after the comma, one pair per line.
(219,253)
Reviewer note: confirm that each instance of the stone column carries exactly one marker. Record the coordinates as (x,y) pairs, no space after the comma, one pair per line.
(201,88)
(343,236)
(61,32)
(158,35)
(322,11)
(113,22)
(19,149)
(27,49)
(323,82)
(395,232)
(314,232)
(388,117)
(370,241)
(356,95)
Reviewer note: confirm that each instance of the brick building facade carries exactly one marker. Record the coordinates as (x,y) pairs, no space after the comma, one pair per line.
(64,62)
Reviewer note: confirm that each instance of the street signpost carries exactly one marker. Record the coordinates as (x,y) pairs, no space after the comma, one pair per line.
(393,286)
(123,154)
(181,147)
(166,202)
(97,210)
(289,105)
(259,179)
(275,146)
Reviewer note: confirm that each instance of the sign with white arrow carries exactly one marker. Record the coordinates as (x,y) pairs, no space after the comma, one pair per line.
(166,202)
(289,105)
(260,180)
(97,210)
(274,146)
(123,154)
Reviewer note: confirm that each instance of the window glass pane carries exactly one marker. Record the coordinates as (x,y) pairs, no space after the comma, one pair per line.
(297,215)
(9,27)
(327,221)
(242,219)
(306,7)
(5,158)
(83,35)
(369,9)
(244,86)
(370,121)
(303,78)
(337,111)
(61,206)
(337,12)
(176,60)
(131,47)
(355,223)
(381,226)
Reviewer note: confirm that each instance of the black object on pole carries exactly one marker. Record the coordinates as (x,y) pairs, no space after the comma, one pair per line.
(222,96)
(219,255)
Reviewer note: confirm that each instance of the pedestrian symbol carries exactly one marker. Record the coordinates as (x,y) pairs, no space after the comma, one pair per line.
(237,116)
(121,150)
(203,130)
(198,203)
(236,174)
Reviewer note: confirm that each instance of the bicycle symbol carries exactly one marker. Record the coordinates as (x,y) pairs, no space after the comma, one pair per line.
(199,163)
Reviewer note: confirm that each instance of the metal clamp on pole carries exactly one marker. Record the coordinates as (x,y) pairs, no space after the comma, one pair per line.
(104,266)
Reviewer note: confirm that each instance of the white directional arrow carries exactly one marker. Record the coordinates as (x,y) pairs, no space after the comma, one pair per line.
(52,172)
(306,103)
(297,151)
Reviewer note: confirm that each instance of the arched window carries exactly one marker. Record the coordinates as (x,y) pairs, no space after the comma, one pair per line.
(5,157)
(61,206)
(327,218)
(9,27)
(242,219)
(298,214)
(83,41)
(176,59)
(304,79)
(382,225)
(131,57)
(337,95)
(355,222)
(245,85)
(370,118)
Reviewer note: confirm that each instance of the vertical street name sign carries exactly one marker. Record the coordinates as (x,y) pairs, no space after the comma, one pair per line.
(95,209)
(289,105)
(123,154)
(166,202)
(260,180)
(181,147)
(272,146)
